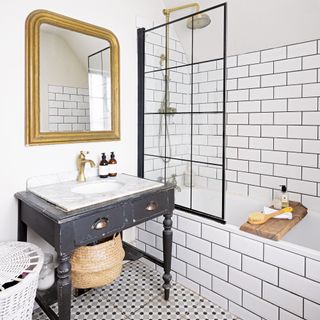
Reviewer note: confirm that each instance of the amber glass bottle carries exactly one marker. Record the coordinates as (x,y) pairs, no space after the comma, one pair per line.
(103,167)
(112,165)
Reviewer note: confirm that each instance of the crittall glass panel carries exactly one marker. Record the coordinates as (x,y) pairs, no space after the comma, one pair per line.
(184,109)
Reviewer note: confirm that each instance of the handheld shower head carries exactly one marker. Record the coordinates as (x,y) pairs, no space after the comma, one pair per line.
(200,21)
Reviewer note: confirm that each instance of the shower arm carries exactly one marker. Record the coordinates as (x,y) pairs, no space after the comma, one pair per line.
(167,13)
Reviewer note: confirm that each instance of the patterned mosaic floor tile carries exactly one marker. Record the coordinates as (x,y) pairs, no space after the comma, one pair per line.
(195,307)
(89,306)
(183,304)
(137,285)
(138,294)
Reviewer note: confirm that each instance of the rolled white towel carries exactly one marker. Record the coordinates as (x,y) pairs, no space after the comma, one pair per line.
(287,215)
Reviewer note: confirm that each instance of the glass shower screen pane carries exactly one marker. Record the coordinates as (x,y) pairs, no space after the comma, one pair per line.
(178,44)
(154,135)
(208,87)
(208,34)
(179,172)
(207,138)
(154,168)
(155,49)
(155,91)
(207,189)
(178,136)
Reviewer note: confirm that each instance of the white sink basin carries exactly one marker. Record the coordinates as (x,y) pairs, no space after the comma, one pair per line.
(97,187)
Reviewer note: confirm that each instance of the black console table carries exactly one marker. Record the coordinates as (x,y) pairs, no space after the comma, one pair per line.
(67,230)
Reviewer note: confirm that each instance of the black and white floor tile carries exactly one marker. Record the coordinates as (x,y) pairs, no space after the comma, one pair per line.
(137,294)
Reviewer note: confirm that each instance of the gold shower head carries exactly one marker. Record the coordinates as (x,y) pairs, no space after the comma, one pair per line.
(200,20)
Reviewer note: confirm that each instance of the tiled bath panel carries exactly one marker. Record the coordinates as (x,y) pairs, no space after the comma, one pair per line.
(138,294)
(253,278)
(68,108)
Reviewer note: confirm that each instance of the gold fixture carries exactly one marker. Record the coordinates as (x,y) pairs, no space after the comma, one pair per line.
(167,12)
(81,162)
(34,136)
(195,21)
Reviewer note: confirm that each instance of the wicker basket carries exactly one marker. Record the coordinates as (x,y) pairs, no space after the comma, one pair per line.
(20,263)
(98,265)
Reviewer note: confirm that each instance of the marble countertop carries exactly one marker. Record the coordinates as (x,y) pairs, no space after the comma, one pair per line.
(61,195)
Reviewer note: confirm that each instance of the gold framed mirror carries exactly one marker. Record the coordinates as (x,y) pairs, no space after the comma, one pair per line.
(72,81)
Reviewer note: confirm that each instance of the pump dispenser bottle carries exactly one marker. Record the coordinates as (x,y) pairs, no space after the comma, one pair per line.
(284,197)
(112,165)
(103,167)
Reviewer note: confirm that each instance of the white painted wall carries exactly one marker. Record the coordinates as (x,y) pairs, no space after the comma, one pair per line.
(257,24)
(18,162)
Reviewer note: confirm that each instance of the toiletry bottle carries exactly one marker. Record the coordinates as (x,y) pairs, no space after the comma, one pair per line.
(277,203)
(284,197)
(103,167)
(112,165)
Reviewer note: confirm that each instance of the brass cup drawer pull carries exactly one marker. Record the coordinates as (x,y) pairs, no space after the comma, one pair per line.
(152,205)
(100,224)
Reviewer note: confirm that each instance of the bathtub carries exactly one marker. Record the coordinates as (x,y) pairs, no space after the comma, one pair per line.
(250,276)
(305,235)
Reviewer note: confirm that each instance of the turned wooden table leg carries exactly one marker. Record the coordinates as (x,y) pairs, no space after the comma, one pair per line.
(64,287)
(167,252)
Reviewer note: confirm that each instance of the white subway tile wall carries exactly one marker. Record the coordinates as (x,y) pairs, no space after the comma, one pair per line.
(272,138)
(279,120)
(68,108)
(273,115)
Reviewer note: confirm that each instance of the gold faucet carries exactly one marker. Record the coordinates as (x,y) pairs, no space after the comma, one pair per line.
(81,162)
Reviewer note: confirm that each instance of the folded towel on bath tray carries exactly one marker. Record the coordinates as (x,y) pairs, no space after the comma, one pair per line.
(287,215)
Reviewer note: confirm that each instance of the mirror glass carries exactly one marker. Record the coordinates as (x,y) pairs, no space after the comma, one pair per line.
(75,81)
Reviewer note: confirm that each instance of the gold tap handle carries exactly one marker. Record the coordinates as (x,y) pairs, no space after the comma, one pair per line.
(81,156)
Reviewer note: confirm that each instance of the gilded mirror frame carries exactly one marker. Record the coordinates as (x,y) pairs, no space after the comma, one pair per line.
(33,134)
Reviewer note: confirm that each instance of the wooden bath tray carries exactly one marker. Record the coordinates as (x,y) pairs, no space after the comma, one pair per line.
(276,229)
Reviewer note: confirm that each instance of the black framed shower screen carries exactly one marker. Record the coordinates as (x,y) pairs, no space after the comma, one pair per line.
(167,107)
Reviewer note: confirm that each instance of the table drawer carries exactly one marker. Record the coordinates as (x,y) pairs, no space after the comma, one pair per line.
(98,225)
(149,206)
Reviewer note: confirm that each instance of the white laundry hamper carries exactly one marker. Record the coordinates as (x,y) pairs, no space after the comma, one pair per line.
(20,265)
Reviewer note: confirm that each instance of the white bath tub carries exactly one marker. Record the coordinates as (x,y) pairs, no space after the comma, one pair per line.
(305,236)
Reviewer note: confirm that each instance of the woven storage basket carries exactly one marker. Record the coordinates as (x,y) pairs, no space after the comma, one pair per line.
(98,265)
